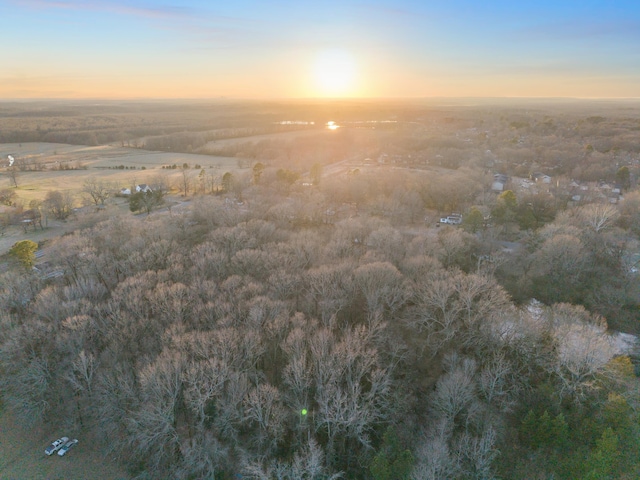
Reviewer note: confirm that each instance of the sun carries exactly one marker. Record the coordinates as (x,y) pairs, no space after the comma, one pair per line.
(334,73)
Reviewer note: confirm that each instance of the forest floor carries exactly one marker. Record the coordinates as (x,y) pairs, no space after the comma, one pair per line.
(22,456)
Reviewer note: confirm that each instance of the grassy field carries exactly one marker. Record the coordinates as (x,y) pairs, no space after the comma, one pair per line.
(101,162)
(22,455)
(282,136)
(55,228)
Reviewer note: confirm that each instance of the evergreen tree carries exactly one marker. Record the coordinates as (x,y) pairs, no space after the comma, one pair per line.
(25,252)
(392,461)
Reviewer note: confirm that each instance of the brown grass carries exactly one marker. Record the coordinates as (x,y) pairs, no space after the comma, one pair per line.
(86,217)
(98,162)
(22,455)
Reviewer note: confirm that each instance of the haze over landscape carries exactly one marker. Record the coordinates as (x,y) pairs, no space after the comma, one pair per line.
(319,240)
(252,49)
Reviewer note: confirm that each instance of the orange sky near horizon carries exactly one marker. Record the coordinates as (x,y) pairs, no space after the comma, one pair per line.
(405,49)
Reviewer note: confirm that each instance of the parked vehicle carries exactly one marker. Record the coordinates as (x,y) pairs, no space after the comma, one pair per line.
(51,449)
(67,446)
(453,219)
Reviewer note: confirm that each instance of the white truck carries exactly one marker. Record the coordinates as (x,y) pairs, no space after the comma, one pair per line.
(453,219)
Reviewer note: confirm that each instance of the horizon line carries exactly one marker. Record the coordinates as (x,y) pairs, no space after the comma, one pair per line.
(316,99)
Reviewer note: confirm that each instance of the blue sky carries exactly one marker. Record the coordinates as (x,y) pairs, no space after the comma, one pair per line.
(282,49)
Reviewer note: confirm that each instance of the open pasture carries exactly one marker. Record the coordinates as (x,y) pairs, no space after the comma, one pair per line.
(279,136)
(66,167)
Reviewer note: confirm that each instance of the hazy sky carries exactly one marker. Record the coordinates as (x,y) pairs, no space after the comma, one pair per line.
(321,48)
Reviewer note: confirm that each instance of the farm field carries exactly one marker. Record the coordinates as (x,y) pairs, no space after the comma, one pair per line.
(101,161)
(288,136)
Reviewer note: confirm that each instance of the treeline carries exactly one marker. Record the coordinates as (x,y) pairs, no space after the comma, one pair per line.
(560,140)
(236,341)
(72,136)
(163,124)
(204,142)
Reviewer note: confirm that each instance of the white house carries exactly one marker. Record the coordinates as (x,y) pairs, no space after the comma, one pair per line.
(497,186)
(499,182)
(540,177)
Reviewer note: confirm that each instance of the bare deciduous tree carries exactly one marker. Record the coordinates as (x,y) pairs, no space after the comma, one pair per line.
(382,286)
(438,311)
(13,174)
(186,181)
(98,190)
(455,390)
(353,391)
(436,461)
(7,196)
(498,383)
(308,463)
(152,428)
(598,217)
(81,377)
(264,409)
(59,204)
(583,350)
(330,288)
(203,457)
(25,384)
(477,454)
(559,267)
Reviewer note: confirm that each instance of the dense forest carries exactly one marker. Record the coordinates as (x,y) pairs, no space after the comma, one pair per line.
(280,330)
(192,344)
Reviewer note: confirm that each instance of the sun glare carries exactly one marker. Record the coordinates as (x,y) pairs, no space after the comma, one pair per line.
(334,74)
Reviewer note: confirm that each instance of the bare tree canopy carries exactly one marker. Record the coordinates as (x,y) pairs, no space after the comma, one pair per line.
(98,190)
(310,318)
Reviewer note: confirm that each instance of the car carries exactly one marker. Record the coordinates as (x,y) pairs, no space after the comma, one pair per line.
(67,446)
(51,449)
(453,219)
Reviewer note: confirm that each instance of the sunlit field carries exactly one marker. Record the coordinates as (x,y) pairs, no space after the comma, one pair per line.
(66,167)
